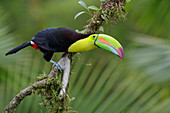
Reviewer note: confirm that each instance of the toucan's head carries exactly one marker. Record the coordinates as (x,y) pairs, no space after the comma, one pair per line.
(98,40)
(108,43)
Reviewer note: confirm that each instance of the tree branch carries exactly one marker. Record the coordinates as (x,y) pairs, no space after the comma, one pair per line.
(64,62)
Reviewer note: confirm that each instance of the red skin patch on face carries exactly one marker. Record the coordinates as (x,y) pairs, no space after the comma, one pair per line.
(35,46)
(106,42)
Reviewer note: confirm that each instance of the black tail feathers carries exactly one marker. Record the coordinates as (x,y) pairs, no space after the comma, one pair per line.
(18,48)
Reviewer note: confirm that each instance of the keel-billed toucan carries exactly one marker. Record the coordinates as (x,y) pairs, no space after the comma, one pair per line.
(64,39)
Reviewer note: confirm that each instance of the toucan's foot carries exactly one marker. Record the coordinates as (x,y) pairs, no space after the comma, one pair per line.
(56,64)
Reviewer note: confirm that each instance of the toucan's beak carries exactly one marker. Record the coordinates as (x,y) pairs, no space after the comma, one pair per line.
(109,43)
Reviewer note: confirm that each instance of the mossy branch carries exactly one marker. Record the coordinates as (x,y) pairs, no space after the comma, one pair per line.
(45,82)
(50,87)
(111,9)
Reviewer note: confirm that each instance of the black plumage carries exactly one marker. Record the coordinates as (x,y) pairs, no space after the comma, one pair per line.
(22,46)
(54,40)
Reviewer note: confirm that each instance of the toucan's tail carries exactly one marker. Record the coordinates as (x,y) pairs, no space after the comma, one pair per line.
(18,48)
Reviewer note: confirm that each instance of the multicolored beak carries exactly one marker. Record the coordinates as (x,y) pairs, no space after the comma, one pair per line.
(110,44)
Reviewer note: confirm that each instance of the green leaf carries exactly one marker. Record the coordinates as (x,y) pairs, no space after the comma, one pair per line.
(78,14)
(93,8)
(128,1)
(100,11)
(102,0)
(83,4)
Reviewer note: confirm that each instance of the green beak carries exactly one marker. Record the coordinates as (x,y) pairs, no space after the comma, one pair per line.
(110,44)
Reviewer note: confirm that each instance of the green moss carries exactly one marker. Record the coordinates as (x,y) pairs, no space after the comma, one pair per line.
(41,77)
(49,95)
(115,11)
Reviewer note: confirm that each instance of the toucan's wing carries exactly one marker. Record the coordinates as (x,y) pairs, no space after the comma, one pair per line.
(57,39)
(54,39)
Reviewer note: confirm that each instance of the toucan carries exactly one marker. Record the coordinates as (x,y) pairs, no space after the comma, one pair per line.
(63,39)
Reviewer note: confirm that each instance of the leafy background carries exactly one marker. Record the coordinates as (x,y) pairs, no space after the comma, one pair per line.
(100,82)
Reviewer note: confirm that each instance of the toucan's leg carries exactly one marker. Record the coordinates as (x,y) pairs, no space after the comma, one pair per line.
(56,64)
(48,55)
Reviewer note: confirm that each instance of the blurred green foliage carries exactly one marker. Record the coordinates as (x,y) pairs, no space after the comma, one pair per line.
(100,82)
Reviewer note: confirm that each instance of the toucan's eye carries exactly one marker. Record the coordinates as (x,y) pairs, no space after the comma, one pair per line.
(94,37)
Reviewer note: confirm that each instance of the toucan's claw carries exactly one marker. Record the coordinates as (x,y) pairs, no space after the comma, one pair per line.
(56,64)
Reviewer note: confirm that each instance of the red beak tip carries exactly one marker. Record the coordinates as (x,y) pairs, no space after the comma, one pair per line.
(121,53)
(121,58)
